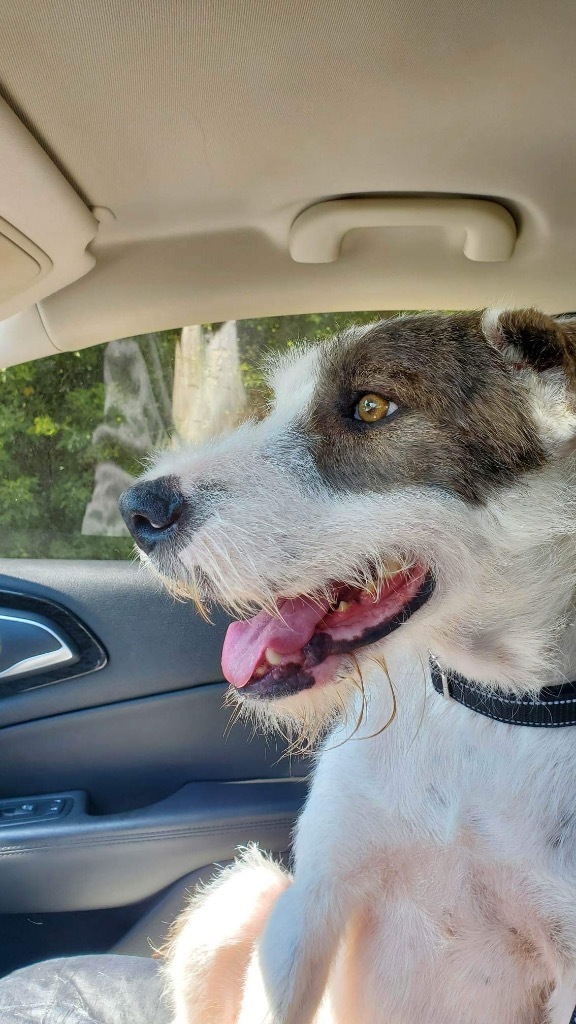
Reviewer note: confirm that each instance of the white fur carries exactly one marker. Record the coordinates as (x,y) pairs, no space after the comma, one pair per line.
(490,324)
(434,863)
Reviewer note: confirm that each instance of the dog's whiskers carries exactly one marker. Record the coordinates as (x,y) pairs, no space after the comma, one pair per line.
(236,713)
(381,662)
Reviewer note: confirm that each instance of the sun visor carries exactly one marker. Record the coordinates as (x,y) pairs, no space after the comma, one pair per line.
(45,227)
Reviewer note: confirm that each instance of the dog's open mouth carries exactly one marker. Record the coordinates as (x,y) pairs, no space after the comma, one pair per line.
(268,656)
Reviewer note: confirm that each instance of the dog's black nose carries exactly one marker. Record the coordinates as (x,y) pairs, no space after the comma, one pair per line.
(152,511)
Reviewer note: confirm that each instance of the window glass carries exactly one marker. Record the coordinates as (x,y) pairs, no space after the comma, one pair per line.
(76,428)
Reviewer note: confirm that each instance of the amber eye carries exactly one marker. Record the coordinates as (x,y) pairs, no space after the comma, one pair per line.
(372,408)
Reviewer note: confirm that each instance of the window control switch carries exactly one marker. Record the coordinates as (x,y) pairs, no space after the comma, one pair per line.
(17,812)
(13,812)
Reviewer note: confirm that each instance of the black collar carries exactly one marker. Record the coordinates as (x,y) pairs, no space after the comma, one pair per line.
(553,706)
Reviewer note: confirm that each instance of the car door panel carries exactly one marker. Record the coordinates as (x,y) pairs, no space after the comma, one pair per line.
(154,643)
(163,783)
(132,753)
(91,862)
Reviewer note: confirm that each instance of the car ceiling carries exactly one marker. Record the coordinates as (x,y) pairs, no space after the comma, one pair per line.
(205,128)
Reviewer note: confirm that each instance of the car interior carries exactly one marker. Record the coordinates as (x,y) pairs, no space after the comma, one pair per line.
(185,187)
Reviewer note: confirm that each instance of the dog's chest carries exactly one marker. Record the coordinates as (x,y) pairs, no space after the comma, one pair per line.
(461,842)
(445,776)
(447,939)
(445,936)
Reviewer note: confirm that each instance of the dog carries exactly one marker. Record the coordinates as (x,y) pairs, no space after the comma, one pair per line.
(396,540)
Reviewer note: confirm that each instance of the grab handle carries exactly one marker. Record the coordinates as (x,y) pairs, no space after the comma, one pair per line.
(489,230)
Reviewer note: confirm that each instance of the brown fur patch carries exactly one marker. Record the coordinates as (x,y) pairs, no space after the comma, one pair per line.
(463,423)
(543,343)
(523,946)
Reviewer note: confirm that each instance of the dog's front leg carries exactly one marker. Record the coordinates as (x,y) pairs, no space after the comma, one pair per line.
(289,969)
(291,962)
(208,956)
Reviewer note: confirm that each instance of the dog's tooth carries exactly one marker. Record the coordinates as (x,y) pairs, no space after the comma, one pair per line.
(273,657)
(260,671)
(393,566)
(343,606)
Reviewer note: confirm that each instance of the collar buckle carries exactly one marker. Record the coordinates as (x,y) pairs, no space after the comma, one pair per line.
(443,676)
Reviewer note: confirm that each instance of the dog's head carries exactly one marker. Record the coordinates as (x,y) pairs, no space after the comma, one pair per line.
(411,484)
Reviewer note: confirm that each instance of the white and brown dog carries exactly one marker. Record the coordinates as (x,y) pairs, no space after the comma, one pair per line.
(403,522)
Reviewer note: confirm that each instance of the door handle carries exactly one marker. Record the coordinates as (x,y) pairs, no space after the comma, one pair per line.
(489,230)
(31,643)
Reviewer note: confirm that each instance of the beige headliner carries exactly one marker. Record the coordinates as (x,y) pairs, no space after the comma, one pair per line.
(208,126)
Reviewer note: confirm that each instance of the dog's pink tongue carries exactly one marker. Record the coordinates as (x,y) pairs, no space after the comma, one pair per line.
(246,642)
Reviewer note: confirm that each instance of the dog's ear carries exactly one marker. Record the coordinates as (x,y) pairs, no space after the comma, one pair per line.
(529,339)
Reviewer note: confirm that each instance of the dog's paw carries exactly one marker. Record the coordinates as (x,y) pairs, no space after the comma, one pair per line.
(286,981)
(209,952)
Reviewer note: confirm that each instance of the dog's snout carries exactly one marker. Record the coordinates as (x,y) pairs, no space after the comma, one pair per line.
(152,511)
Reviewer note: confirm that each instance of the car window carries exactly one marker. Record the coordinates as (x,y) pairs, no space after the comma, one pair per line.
(75,428)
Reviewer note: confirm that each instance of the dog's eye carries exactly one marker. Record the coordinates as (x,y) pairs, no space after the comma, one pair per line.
(371,408)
